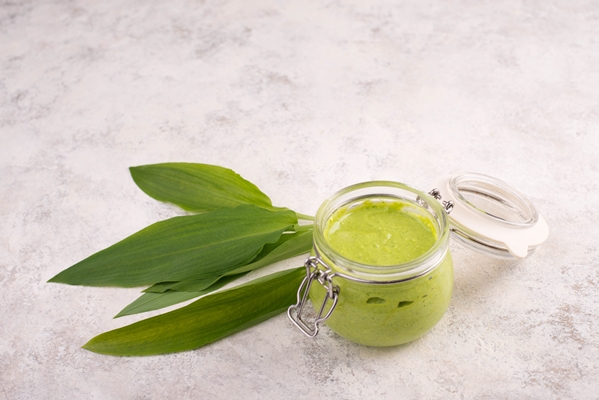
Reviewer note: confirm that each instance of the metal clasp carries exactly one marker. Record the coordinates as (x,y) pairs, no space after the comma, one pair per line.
(325,278)
(447,205)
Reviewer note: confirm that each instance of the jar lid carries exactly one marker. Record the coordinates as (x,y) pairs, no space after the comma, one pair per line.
(492,217)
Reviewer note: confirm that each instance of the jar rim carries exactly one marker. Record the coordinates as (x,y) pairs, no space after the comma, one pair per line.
(512,208)
(390,189)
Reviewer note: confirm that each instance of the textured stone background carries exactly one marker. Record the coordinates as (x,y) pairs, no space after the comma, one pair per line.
(302,98)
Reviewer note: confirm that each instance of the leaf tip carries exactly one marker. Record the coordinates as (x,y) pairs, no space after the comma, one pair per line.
(133,171)
(56,279)
(97,346)
(89,346)
(64,277)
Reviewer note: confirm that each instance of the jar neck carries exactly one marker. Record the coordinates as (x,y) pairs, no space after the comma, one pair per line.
(419,201)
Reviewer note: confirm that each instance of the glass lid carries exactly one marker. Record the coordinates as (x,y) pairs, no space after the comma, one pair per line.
(492,217)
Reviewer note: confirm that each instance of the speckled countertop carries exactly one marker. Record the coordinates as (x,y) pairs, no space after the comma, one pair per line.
(301,98)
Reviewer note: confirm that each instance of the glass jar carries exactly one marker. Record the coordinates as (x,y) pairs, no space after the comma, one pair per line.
(381,305)
(378,303)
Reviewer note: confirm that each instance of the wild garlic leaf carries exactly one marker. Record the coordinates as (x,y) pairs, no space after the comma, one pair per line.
(199,284)
(155,301)
(183,248)
(197,187)
(162,287)
(169,293)
(204,321)
(150,301)
(289,245)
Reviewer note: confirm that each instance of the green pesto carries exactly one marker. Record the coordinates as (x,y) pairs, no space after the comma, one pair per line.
(384,233)
(379,232)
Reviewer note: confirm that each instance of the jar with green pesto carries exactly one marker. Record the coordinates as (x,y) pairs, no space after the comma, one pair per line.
(381,273)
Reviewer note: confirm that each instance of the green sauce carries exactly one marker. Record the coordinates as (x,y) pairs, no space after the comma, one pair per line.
(385,233)
(380,233)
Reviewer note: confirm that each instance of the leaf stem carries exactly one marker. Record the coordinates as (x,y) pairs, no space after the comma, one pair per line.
(304,217)
(303,228)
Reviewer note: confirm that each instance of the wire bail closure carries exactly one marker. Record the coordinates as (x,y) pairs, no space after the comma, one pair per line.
(436,194)
(447,205)
(325,278)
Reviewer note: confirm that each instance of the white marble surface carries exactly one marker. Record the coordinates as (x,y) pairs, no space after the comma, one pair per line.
(302,98)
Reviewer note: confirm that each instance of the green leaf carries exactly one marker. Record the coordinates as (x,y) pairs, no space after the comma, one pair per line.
(183,248)
(197,187)
(208,319)
(155,301)
(289,245)
(198,284)
(169,293)
(162,287)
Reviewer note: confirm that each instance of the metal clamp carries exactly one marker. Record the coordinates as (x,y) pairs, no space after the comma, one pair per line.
(447,205)
(325,278)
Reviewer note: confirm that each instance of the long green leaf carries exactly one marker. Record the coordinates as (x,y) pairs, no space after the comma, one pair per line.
(162,287)
(197,284)
(208,319)
(183,248)
(197,187)
(170,293)
(288,245)
(154,301)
